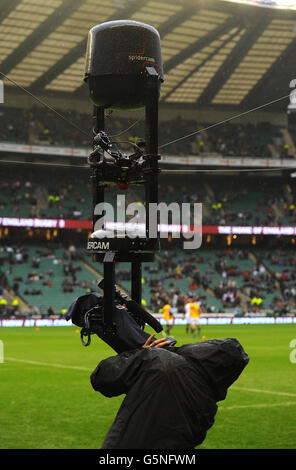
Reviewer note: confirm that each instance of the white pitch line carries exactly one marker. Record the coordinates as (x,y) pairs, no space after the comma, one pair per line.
(263,405)
(64,366)
(47,364)
(256,390)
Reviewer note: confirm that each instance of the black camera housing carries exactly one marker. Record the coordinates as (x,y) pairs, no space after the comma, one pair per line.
(87,312)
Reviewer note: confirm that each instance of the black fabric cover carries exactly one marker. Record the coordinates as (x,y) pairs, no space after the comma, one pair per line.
(171,393)
(128,335)
(80,306)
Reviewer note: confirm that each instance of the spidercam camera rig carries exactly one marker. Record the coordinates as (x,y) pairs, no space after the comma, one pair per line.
(123,71)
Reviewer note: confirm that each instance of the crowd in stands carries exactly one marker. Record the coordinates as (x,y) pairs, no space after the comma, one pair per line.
(30,192)
(176,296)
(47,193)
(247,140)
(41,276)
(41,126)
(236,200)
(281,264)
(221,279)
(239,284)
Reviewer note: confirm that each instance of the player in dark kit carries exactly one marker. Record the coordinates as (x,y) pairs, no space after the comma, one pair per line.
(171,392)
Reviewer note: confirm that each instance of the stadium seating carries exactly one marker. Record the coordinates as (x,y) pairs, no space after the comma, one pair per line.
(40,278)
(224,279)
(46,193)
(41,126)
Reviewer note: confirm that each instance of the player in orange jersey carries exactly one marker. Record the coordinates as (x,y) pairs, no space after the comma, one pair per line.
(168,317)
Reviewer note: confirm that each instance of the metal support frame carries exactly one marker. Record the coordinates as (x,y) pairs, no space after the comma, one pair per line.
(150,171)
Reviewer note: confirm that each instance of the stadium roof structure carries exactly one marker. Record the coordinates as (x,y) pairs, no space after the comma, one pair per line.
(216,53)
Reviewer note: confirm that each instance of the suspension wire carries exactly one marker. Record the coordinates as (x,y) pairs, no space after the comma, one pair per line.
(66,165)
(231,118)
(59,114)
(193,170)
(130,127)
(230,170)
(47,106)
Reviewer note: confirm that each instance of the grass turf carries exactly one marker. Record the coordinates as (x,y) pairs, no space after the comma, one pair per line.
(48,402)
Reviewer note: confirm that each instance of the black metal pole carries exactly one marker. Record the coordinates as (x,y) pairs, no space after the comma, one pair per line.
(109,258)
(109,293)
(136,285)
(151,183)
(97,190)
(151,186)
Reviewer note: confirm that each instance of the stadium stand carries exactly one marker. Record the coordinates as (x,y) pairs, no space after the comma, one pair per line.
(40,126)
(224,277)
(45,276)
(26,192)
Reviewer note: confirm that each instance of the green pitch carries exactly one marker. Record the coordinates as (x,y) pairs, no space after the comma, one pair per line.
(47,401)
